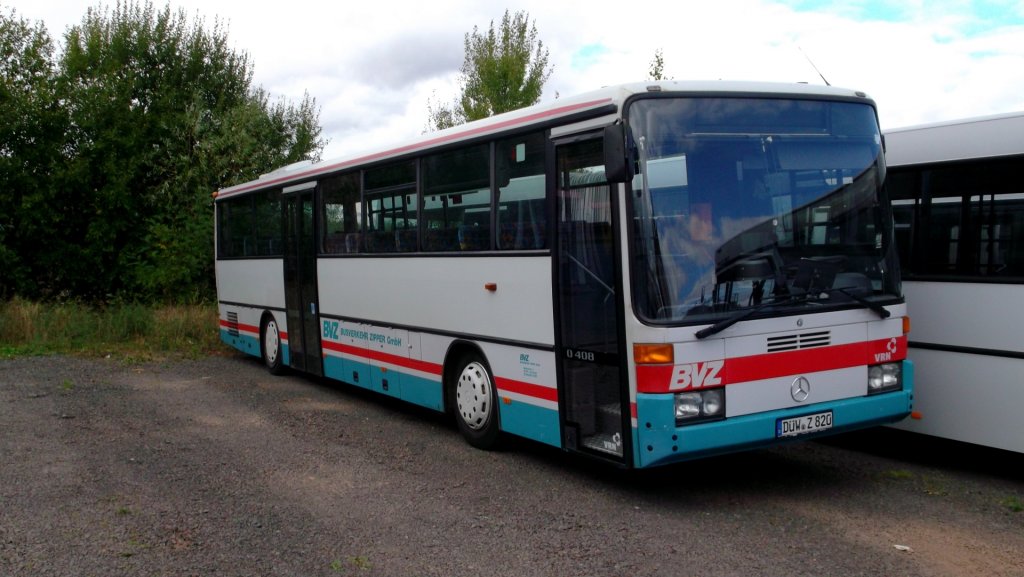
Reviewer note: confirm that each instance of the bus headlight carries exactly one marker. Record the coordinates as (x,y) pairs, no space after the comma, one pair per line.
(885,377)
(699,406)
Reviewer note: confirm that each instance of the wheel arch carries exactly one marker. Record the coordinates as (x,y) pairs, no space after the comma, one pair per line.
(267,313)
(457,350)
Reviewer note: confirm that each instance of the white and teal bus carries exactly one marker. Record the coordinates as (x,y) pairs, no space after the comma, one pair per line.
(958,201)
(644,274)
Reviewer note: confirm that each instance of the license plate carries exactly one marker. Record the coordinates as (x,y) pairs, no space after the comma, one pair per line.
(804,425)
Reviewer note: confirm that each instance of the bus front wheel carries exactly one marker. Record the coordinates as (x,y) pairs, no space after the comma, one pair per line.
(476,404)
(270,345)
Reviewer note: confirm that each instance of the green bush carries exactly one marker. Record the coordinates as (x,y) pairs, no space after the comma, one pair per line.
(129,330)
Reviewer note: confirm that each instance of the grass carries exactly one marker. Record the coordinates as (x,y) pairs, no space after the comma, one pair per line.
(360,563)
(1014,504)
(128,331)
(898,475)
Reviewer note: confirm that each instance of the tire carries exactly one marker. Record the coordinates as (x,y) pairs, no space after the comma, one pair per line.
(476,403)
(270,346)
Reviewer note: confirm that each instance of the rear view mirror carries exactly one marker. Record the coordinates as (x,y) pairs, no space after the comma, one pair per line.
(616,167)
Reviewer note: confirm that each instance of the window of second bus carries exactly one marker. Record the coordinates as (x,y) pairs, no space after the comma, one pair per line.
(968,220)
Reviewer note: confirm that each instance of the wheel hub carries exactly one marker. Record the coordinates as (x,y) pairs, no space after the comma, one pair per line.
(473,396)
(272,342)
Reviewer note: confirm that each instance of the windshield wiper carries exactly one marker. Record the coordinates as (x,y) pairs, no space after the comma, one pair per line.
(723,324)
(880,310)
(745,314)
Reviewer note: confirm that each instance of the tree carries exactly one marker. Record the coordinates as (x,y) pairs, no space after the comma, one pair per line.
(657,71)
(31,125)
(504,69)
(160,112)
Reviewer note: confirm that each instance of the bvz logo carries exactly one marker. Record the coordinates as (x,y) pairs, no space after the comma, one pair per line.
(696,375)
(331,330)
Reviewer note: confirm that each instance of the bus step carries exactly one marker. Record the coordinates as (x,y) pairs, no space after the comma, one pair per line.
(605,443)
(609,417)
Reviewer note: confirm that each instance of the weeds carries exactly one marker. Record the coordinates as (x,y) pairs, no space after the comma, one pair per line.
(127,331)
(898,475)
(1014,504)
(935,486)
(359,562)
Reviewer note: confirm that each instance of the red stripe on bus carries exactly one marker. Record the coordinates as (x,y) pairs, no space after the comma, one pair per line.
(364,353)
(661,378)
(411,147)
(527,389)
(654,378)
(771,365)
(510,385)
(239,326)
(250,329)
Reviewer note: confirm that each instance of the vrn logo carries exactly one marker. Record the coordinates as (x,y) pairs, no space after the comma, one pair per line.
(696,375)
(890,350)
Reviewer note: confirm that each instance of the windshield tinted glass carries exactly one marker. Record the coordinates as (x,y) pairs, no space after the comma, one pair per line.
(739,201)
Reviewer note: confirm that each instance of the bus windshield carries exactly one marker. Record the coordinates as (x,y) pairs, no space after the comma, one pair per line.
(739,203)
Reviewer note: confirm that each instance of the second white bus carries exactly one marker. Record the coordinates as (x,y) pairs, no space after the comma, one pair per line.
(959,207)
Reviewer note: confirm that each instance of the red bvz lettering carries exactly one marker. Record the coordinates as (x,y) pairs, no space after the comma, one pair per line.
(696,375)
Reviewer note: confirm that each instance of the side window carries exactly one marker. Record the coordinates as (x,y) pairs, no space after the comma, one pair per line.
(268,223)
(457,200)
(391,208)
(250,225)
(233,222)
(236,228)
(967,220)
(341,214)
(522,216)
(902,189)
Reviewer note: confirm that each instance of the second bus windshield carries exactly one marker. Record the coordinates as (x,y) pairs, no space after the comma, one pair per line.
(740,202)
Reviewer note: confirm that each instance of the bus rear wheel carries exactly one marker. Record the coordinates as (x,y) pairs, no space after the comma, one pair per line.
(476,405)
(270,345)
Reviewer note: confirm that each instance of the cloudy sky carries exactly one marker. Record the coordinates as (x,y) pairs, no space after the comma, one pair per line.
(373,65)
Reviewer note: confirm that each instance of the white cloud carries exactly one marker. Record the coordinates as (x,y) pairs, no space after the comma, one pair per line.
(372,66)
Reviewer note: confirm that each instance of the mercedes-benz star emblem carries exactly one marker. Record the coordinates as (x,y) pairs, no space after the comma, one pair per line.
(801,389)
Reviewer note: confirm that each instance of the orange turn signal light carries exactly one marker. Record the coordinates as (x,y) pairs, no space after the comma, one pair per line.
(660,354)
(906,325)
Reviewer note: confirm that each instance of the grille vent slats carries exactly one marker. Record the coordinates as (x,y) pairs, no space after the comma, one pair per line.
(799,341)
(233,324)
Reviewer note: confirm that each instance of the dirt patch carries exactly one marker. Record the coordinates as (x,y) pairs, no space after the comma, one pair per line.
(214,467)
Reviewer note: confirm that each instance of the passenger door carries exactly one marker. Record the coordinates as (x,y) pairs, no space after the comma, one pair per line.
(588,295)
(300,279)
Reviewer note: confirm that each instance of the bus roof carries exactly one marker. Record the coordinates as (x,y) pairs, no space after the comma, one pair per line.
(952,140)
(607,100)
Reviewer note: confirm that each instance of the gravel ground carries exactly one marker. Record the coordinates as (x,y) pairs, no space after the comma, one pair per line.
(214,467)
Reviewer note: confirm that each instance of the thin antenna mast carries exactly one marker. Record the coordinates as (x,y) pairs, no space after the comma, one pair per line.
(811,62)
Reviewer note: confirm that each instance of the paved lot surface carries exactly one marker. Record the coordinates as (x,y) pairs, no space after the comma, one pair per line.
(214,467)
